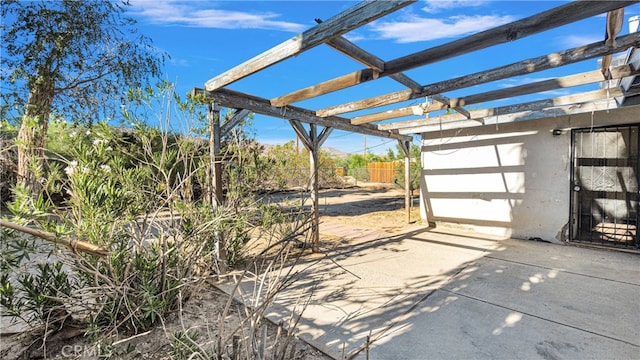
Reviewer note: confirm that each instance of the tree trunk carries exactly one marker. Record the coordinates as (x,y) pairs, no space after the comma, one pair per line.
(32,134)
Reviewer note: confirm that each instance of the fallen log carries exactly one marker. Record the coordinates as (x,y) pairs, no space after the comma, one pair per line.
(73,244)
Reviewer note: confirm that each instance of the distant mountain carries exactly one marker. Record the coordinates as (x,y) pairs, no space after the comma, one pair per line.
(335,152)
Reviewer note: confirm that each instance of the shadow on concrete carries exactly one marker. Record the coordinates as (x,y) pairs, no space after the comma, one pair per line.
(440,294)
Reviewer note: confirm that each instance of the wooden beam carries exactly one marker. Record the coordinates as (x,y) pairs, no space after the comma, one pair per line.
(356,53)
(353,51)
(324,135)
(352,18)
(417,110)
(550,19)
(406,81)
(315,90)
(618,72)
(235,99)
(238,116)
(575,99)
(522,116)
(446,101)
(302,133)
(581,98)
(532,65)
(368,59)
(537,64)
(391,114)
(584,78)
(386,99)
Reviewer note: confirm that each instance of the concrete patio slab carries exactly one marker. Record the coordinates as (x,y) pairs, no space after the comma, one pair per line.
(435,294)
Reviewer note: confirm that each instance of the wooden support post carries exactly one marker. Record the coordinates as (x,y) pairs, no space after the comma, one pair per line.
(215,191)
(212,155)
(314,182)
(237,117)
(215,195)
(313,141)
(405,145)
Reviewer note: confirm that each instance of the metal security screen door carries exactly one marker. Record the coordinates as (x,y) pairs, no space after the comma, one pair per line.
(605,186)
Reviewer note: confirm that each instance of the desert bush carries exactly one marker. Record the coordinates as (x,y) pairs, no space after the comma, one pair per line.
(415,167)
(122,208)
(130,192)
(136,192)
(288,167)
(8,160)
(356,166)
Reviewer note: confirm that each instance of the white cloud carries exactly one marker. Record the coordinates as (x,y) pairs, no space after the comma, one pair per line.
(354,37)
(436,6)
(556,93)
(571,41)
(195,14)
(507,83)
(415,28)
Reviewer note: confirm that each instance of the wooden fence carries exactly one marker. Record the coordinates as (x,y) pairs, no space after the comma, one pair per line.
(382,172)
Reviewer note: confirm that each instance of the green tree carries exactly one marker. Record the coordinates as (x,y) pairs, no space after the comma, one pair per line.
(356,164)
(414,153)
(69,57)
(415,164)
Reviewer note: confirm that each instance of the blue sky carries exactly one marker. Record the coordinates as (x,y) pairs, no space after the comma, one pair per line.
(206,38)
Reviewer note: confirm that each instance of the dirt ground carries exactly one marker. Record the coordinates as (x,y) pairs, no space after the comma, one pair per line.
(374,207)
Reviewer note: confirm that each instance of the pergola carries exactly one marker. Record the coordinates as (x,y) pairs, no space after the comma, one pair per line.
(388,123)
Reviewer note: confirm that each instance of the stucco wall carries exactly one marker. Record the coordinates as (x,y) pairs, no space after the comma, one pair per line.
(509,179)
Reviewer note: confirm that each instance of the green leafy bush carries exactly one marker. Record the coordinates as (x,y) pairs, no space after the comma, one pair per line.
(140,194)
(134,193)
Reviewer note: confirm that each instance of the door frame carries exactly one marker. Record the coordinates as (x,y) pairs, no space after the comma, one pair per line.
(575,187)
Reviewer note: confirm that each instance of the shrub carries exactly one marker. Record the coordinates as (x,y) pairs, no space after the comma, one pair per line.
(127,192)
(8,160)
(135,194)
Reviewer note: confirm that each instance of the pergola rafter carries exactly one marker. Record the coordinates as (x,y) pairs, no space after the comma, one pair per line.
(489,117)
(377,65)
(230,98)
(354,17)
(524,67)
(479,115)
(615,73)
(550,19)
(330,32)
